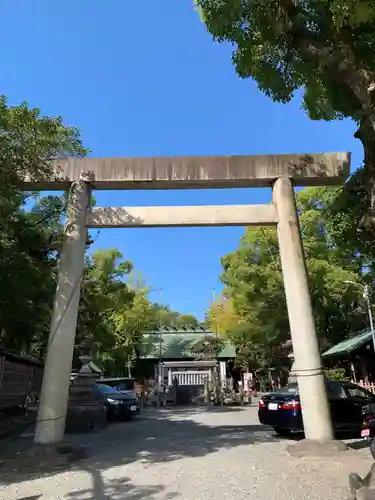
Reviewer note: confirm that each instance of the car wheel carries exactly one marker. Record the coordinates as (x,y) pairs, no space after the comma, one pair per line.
(282,432)
(372,448)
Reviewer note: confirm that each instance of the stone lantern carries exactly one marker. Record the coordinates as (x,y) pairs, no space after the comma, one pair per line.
(86,412)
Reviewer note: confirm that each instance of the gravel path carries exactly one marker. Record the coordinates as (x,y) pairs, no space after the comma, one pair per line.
(192,454)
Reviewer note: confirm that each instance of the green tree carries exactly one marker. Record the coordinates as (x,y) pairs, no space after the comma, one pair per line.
(28,143)
(113,315)
(187,321)
(253,282)
(208,348)
(343,217)
(163,315)
(28,262)
(323,47)
(130,322)
(103,293)
(29,240)
(221,316)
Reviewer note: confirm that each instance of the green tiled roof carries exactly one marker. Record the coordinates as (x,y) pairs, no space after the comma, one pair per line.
(228,351)
(350,344)
(177,344)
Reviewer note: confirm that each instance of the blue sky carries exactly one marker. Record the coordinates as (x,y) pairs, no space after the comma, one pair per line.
(146,79)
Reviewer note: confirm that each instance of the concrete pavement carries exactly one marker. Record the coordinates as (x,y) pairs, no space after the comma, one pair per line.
(189,454)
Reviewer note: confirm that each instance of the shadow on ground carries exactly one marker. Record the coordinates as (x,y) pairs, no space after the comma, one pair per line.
(358,445)
(116,489)
(158,436)
(112,489)
(191,410)
(34,497)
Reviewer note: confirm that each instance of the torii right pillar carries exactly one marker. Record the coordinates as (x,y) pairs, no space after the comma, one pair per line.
(308,364)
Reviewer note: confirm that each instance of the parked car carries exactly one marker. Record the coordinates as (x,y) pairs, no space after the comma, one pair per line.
(282,409)
(119,405)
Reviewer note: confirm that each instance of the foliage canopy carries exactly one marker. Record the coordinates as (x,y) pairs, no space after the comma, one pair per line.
(253,313)
(113,313)
(323,47)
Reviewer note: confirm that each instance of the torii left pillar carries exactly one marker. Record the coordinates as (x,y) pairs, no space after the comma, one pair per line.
(54,397)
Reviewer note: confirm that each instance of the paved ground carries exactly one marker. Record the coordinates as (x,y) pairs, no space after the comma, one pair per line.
(191,454)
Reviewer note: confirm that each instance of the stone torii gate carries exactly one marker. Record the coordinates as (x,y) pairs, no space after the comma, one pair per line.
(280,172)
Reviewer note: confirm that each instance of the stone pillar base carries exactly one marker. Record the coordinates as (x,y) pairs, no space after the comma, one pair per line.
(81,419)
(312,448)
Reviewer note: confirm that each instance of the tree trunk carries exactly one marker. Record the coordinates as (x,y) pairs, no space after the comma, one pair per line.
(340,65)
(366,134)
(6,338)
(361,84)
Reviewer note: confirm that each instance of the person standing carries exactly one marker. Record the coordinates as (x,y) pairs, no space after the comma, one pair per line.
(254,387)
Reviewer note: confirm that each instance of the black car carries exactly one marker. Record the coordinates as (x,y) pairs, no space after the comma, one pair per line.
(282,409)
(119,405)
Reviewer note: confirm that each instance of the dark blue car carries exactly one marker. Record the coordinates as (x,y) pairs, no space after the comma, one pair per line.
(282,409)
(119,405)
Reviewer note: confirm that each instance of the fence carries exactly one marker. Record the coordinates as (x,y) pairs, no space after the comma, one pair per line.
(367,385)
(192,377)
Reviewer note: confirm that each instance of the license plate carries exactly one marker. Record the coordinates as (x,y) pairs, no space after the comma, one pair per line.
(273,406)
(365,432)
(133,408)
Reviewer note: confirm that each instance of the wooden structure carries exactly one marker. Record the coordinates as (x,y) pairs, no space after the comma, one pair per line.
(190,376)
(188,373)
(169,356)
(20,380)
(369,386)
(356,355)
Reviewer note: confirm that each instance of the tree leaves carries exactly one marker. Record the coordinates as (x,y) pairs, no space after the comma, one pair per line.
(186,321)
(253,311)
(113,313)
(222,317)
(29,240)
(324,48)
(208,348)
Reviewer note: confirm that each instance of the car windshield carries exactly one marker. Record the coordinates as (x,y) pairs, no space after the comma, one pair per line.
(288,390)
(120,384)
(106,389)
(125,385)
(357,392)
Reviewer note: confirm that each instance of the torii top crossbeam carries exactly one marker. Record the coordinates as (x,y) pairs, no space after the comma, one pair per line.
(199,172)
